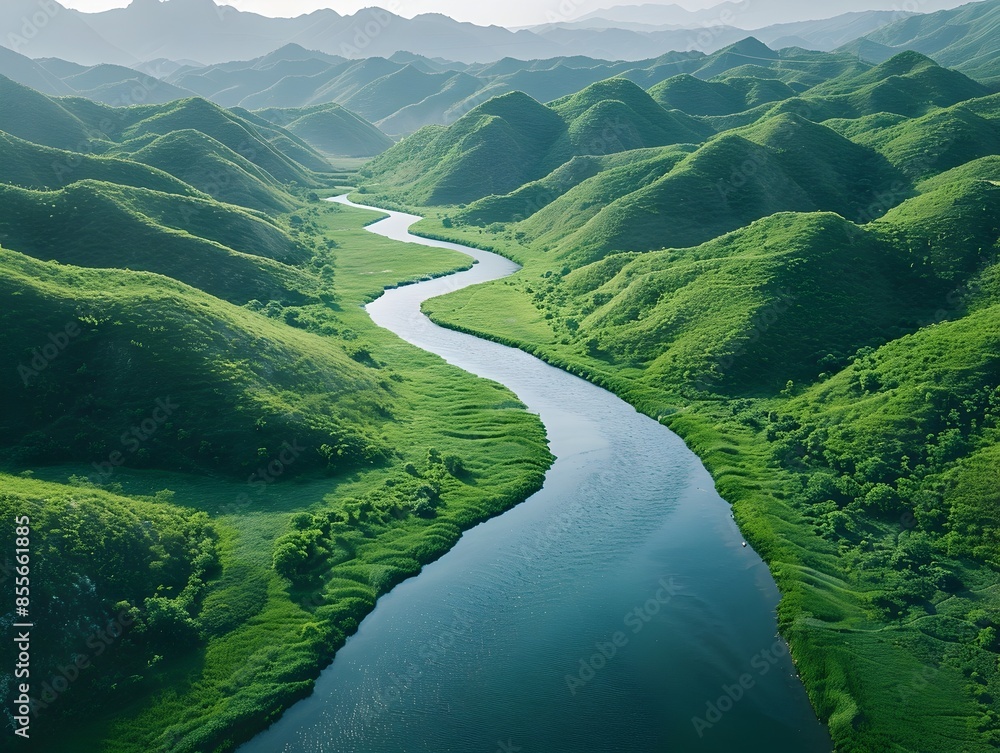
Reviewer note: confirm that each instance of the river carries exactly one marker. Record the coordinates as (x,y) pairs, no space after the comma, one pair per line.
(615,610)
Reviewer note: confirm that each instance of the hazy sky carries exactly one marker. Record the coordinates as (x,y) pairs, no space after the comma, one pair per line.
(505,12)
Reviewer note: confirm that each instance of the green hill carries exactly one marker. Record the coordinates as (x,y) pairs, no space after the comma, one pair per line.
(834,283)
(144,338)
(494,149)
(331,129)
(697,97)
(286,142)
(214,247)
(616,115)
(600,179)
(32,116)
(512,139)
(944,139)
(223,126)
(215,169)
(964,38)
(785,163)
(32,166)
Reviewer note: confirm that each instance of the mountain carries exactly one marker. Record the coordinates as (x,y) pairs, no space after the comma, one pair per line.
(746,15)
(331,129)
(606,38)
(966,38)
(52,30)
(512,139)
(210,166)
(784,163)
(215,247)
(200,30)
(730,95)
(223,126)
(27,72)
(30,165)
(32,116)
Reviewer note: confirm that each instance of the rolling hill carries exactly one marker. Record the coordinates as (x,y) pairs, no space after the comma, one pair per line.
(965,38)
(212,167)
(331,129)
(214,247)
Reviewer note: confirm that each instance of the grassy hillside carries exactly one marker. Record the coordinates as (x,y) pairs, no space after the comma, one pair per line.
(331,129)
(32,116)
(212,167)
(495,148)
(698,97)
(224,127)
(215,247)
(784,163)
(32,166)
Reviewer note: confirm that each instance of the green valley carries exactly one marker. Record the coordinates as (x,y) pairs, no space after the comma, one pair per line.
(217,464)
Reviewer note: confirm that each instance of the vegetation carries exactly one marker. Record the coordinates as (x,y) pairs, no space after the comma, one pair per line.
(837,372)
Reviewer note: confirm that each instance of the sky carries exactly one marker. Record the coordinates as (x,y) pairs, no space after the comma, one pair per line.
(504,13)
(509,13)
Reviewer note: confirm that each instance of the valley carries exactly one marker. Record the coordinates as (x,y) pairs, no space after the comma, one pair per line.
(672,426)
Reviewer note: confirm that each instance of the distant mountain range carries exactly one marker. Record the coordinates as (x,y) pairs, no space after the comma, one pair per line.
(748,14)
(200,30)
(966,38)
(331,101)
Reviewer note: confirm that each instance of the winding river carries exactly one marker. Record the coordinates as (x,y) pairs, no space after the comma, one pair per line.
(615,610)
